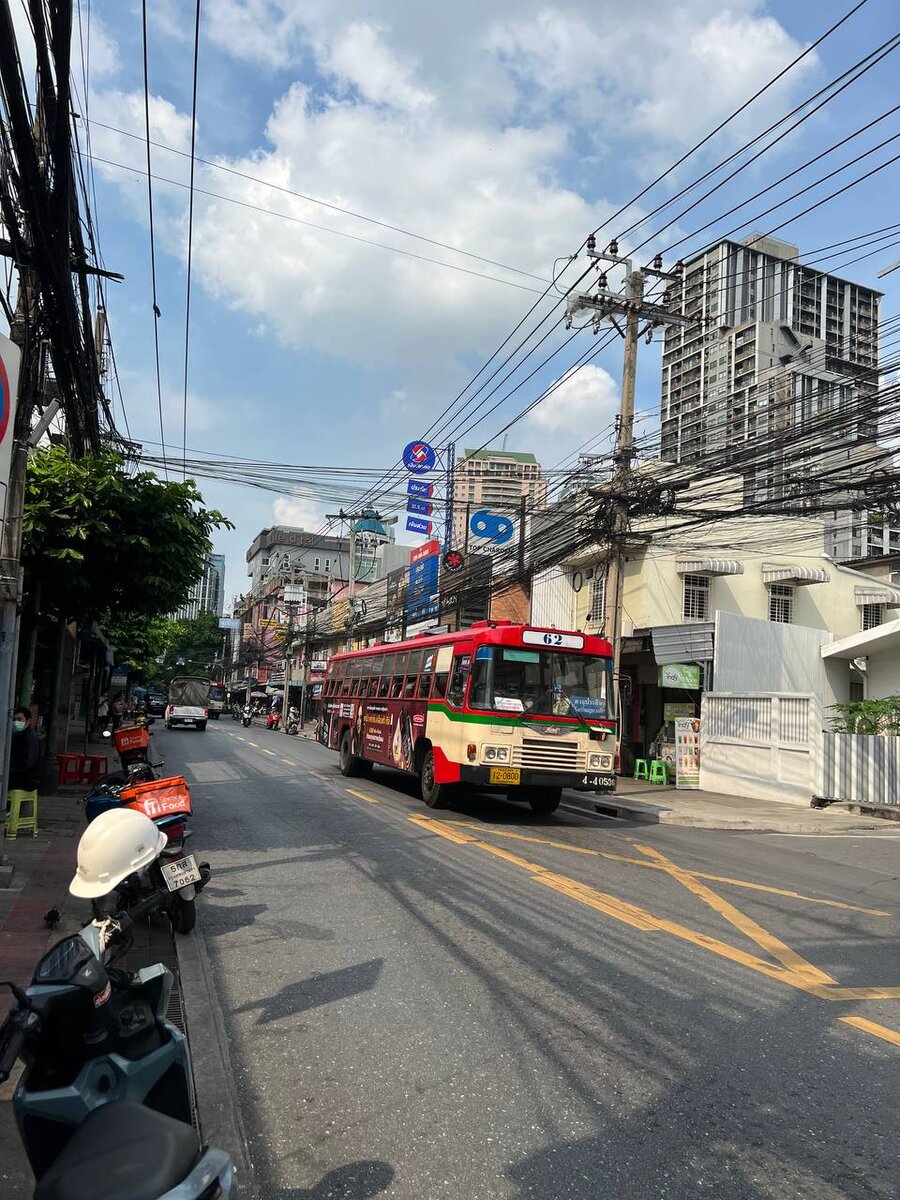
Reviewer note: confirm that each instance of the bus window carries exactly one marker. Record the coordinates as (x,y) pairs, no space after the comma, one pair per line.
(377,663)
(386,672)
(442,672)
(458,679)
(354,667)
(399,672)
(424,688)
(412,673)
(343,688)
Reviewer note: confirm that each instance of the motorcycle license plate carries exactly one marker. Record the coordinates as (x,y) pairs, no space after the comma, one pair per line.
(505,775)
(179,874)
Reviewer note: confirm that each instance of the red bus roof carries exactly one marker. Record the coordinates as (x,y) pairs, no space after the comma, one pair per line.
(498,633)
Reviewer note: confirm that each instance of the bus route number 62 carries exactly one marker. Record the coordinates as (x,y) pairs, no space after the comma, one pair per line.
(552,639)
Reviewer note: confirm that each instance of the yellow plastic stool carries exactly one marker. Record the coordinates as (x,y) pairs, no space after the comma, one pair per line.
(640,768)
(14,818)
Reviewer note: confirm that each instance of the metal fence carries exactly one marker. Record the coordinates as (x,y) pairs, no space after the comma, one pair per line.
(860,768)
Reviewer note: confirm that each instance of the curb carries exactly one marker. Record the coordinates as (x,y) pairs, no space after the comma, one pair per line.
(625,810)
(215,1094)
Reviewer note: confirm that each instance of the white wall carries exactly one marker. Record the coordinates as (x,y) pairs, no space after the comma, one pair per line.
(763,656)
(763,746)
(883,675)
(552,599)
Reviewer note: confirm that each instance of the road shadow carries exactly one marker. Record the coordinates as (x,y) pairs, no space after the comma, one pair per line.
(305,994)
(355,1181)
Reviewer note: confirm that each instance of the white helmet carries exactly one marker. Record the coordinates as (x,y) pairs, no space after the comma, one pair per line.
(115,845)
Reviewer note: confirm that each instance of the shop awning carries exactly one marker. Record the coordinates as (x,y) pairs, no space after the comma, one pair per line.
(683,643)
(709,566)
(875,595)
(793,575)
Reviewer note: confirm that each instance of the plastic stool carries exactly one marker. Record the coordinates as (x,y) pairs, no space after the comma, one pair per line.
(93,767)
(69,768)
(14,819)
(640,768)
(659,772)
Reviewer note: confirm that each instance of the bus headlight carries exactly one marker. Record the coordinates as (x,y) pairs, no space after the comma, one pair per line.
(495,753)
(599,762)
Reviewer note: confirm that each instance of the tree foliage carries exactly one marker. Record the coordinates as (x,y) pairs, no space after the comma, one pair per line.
(867,716)
(100,540)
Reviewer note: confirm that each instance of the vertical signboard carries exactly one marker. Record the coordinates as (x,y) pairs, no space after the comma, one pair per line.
(687,752)
(422,589)
(419,459)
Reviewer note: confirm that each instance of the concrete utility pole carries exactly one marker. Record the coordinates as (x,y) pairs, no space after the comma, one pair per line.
(606,306)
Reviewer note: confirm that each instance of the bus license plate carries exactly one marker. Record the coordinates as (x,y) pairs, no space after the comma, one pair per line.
(598,781)
(180,874)
(505,775)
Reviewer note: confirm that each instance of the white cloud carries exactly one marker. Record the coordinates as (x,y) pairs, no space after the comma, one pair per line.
(300,509)
(359,57)
(585,401)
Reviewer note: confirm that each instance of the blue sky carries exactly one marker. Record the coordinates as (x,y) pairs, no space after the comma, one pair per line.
(507,129)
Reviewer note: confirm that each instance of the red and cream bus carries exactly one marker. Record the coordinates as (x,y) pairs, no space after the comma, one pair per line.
(508,707)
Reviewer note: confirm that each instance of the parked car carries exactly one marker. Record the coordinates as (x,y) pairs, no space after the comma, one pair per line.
(156,704)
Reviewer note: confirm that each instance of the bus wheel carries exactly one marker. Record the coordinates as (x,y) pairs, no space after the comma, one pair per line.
(434,794)
(543,801)
(350,764)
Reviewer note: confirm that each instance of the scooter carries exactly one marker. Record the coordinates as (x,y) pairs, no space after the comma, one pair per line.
(292,725)
(246,716)
(273,720)
(106,1094)
(167,802)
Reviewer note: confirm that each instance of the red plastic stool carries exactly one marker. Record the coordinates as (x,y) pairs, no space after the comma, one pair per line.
(93,767)
(69,768)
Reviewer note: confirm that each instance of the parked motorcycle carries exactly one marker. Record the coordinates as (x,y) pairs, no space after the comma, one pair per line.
(167,802)
(104,1104)
(246,716)
(273,720)
(292,724)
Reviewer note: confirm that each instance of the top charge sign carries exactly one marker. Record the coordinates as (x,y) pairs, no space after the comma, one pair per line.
(419,458)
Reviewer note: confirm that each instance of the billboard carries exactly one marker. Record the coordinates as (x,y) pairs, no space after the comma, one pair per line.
(422,586)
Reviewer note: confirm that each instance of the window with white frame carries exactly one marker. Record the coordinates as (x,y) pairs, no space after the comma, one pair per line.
(871,615)
(781,603)
(597,601)
(695,599)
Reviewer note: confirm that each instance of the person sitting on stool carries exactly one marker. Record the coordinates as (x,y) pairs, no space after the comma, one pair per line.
(24,754)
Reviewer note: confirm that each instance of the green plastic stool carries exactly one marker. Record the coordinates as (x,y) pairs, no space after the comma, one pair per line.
(659,772)
(640,768)
(14,818)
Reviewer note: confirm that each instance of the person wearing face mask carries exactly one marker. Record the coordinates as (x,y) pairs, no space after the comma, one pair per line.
(24,754)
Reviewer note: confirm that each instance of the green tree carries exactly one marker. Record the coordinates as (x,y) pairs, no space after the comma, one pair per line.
(867,716)
(98,539)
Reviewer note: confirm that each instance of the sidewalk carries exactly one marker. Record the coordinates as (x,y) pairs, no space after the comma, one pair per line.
(636,800)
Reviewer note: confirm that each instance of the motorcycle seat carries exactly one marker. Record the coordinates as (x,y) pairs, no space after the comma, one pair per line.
(122,1151)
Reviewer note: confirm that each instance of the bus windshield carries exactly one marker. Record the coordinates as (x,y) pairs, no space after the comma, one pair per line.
(217,692)
(541,682)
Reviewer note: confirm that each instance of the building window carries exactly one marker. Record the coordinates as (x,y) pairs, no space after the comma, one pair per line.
(781,603)
(872,615)
(317,563)
(597,602)
(695,605)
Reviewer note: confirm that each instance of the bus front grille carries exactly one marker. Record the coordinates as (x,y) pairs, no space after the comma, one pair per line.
(549,756)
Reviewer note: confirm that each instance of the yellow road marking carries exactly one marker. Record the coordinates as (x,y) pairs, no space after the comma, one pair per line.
(750,928)
(639,862)
(640,918)
(879,1031)
(289,762)
(272,752)
(254,745)
(239,738)
(361,795)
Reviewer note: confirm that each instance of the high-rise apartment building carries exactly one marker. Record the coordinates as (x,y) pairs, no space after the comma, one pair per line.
(496,480)
(777,348)
(208,593)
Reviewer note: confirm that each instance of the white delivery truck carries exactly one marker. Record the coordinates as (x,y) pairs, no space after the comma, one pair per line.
(188,702)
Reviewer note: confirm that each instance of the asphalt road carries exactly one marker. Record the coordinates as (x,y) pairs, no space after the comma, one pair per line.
(479,1003)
